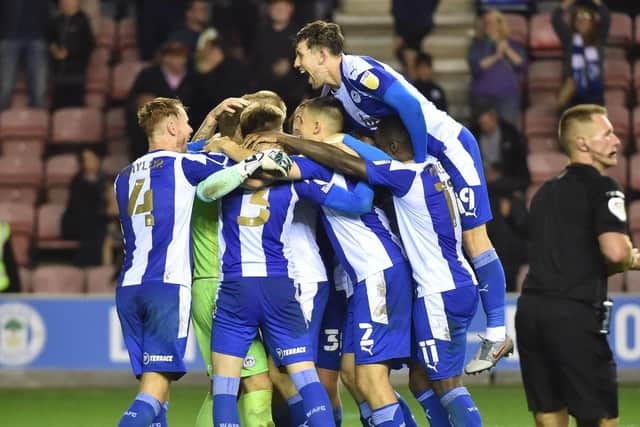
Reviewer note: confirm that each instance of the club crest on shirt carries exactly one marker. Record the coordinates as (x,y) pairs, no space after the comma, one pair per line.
(369,80)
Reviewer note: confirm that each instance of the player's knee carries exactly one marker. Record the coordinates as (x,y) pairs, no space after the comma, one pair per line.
(348,378)
(256,382)
(418,380)
(371,377)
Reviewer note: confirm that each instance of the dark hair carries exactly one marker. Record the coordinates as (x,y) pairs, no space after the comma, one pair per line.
(329,106)
(391,128)
(228,122)
(319,34)
(424,58)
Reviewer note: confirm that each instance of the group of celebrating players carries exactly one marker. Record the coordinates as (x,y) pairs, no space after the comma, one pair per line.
(298,277)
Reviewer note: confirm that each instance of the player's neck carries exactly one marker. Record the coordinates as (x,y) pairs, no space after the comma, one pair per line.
(333,67)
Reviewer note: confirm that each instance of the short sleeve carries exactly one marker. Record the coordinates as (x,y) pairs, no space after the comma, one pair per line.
(197,167)
(610,212)
(310,169)
(391,174)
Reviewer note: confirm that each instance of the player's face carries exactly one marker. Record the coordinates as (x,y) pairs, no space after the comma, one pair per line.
(310,62)
(603,144)
(183,131)
(303,124)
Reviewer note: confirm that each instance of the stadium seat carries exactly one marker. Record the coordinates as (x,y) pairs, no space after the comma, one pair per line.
(106,33)
(615,52)
(617,73)
(113,164)
(519,27)
(542,143)
(101,279)
(95,100)
(21,217)
(616,97)
(118,147)
(25,279)
(59,170)
(130,54)
(97,79)
(637,29)
(545,75)
(24,123)
(124,74)
(634,216)
(23,147)
(58,279)
(540,121)
(615,283)
(49,231)
(100,56)
(634,169)
(126,36)
(20,178)
(543,42)
(543,98)
(522,273)
(114,124)
(620,32)
(545,165)
(619,171)
(77,125)
(633,281)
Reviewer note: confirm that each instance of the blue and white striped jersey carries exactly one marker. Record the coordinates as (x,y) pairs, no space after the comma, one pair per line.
(364,244)
(428,220)
(370,90)
(255,227)
(155,198)
(306,263)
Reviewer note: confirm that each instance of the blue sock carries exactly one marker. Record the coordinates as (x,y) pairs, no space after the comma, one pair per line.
(337,415)
(463,411)
(297,414)
(315,398)
(161,419)
(225,406)
(141,412)
(365,414)
(492,287)
(433,409)
(409,420)
(388,416)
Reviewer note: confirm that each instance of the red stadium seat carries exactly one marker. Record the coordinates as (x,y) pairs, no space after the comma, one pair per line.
(60,169)
(78,125)
(616,97)
(545,165)
(620,33)
(127,36)
(543,98)
(113,164)
(21,217)
(20,178)
(24,123)
(118,147)
(634,169)
(616,283)
(115,124)
(519,27)
(101,280)
(540,121)
(542,143)
(544,74)
(106,33)
(25,279)
(634,216)
(128,54)
(543,42)
(49,235)
(100,56)
(124,74)
(617,73)
(619,171)
(97,79)
(95,100)
(58,279)
(637,29)
(633,280)
(23,147)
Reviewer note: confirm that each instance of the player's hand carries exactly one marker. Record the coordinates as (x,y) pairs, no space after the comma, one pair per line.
(216,143)
(229,105)
(277,161)
(253,139)
(635,259)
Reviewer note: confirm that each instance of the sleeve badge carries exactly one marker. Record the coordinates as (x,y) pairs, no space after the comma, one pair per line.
(369,80)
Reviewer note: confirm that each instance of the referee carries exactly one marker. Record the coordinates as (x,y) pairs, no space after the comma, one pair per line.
(578,239)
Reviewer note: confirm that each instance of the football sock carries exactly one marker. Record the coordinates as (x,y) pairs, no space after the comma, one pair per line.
(337,415)
(492,288)
(462,410)
(141,412)
(388,416)
(225,407)
(297,414)
(315,398)
(204,418)
(255,408)
(433,409)
(409,420)
(161,419)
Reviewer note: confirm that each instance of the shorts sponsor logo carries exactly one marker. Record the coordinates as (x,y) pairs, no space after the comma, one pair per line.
(149,358)
(22,334)
(131,414)
(290,351)
(249,362)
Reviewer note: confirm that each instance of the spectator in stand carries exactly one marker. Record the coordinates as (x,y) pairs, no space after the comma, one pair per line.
(273,57)
(155,20)
(85,218)
(71,42)
(92,9)
(196,20)
(497,65)
(218,76)
(583,43)
(625,6)
(236,22)
(503,147)
(9,277)
(412,20)
(23,33)
(424,81)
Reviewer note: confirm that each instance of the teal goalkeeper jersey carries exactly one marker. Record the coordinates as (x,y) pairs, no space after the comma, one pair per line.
(204,233)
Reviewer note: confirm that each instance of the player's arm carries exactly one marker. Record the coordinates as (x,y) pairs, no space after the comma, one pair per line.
(354,202)
(209,124)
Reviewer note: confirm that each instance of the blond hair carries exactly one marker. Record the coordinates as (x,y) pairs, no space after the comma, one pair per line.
(156,110)
(261,117)
(579,114)
(503,25)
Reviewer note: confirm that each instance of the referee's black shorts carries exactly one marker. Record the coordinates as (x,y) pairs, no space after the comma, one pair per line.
(564,360)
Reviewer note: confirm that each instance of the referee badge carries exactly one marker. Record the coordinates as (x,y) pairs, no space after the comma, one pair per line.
(616,207)
(370,81)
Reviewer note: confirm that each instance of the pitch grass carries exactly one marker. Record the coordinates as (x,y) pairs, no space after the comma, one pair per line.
(500,406)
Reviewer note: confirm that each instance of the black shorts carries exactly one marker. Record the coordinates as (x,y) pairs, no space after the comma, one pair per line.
(564,360)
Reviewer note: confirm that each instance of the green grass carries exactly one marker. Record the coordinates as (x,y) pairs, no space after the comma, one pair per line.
(500,405)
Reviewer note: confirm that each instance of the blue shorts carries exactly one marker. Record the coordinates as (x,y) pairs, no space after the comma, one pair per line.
(463,163)
(441,322)
(330,339)
(155,324)
(378,323)
(268,303)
